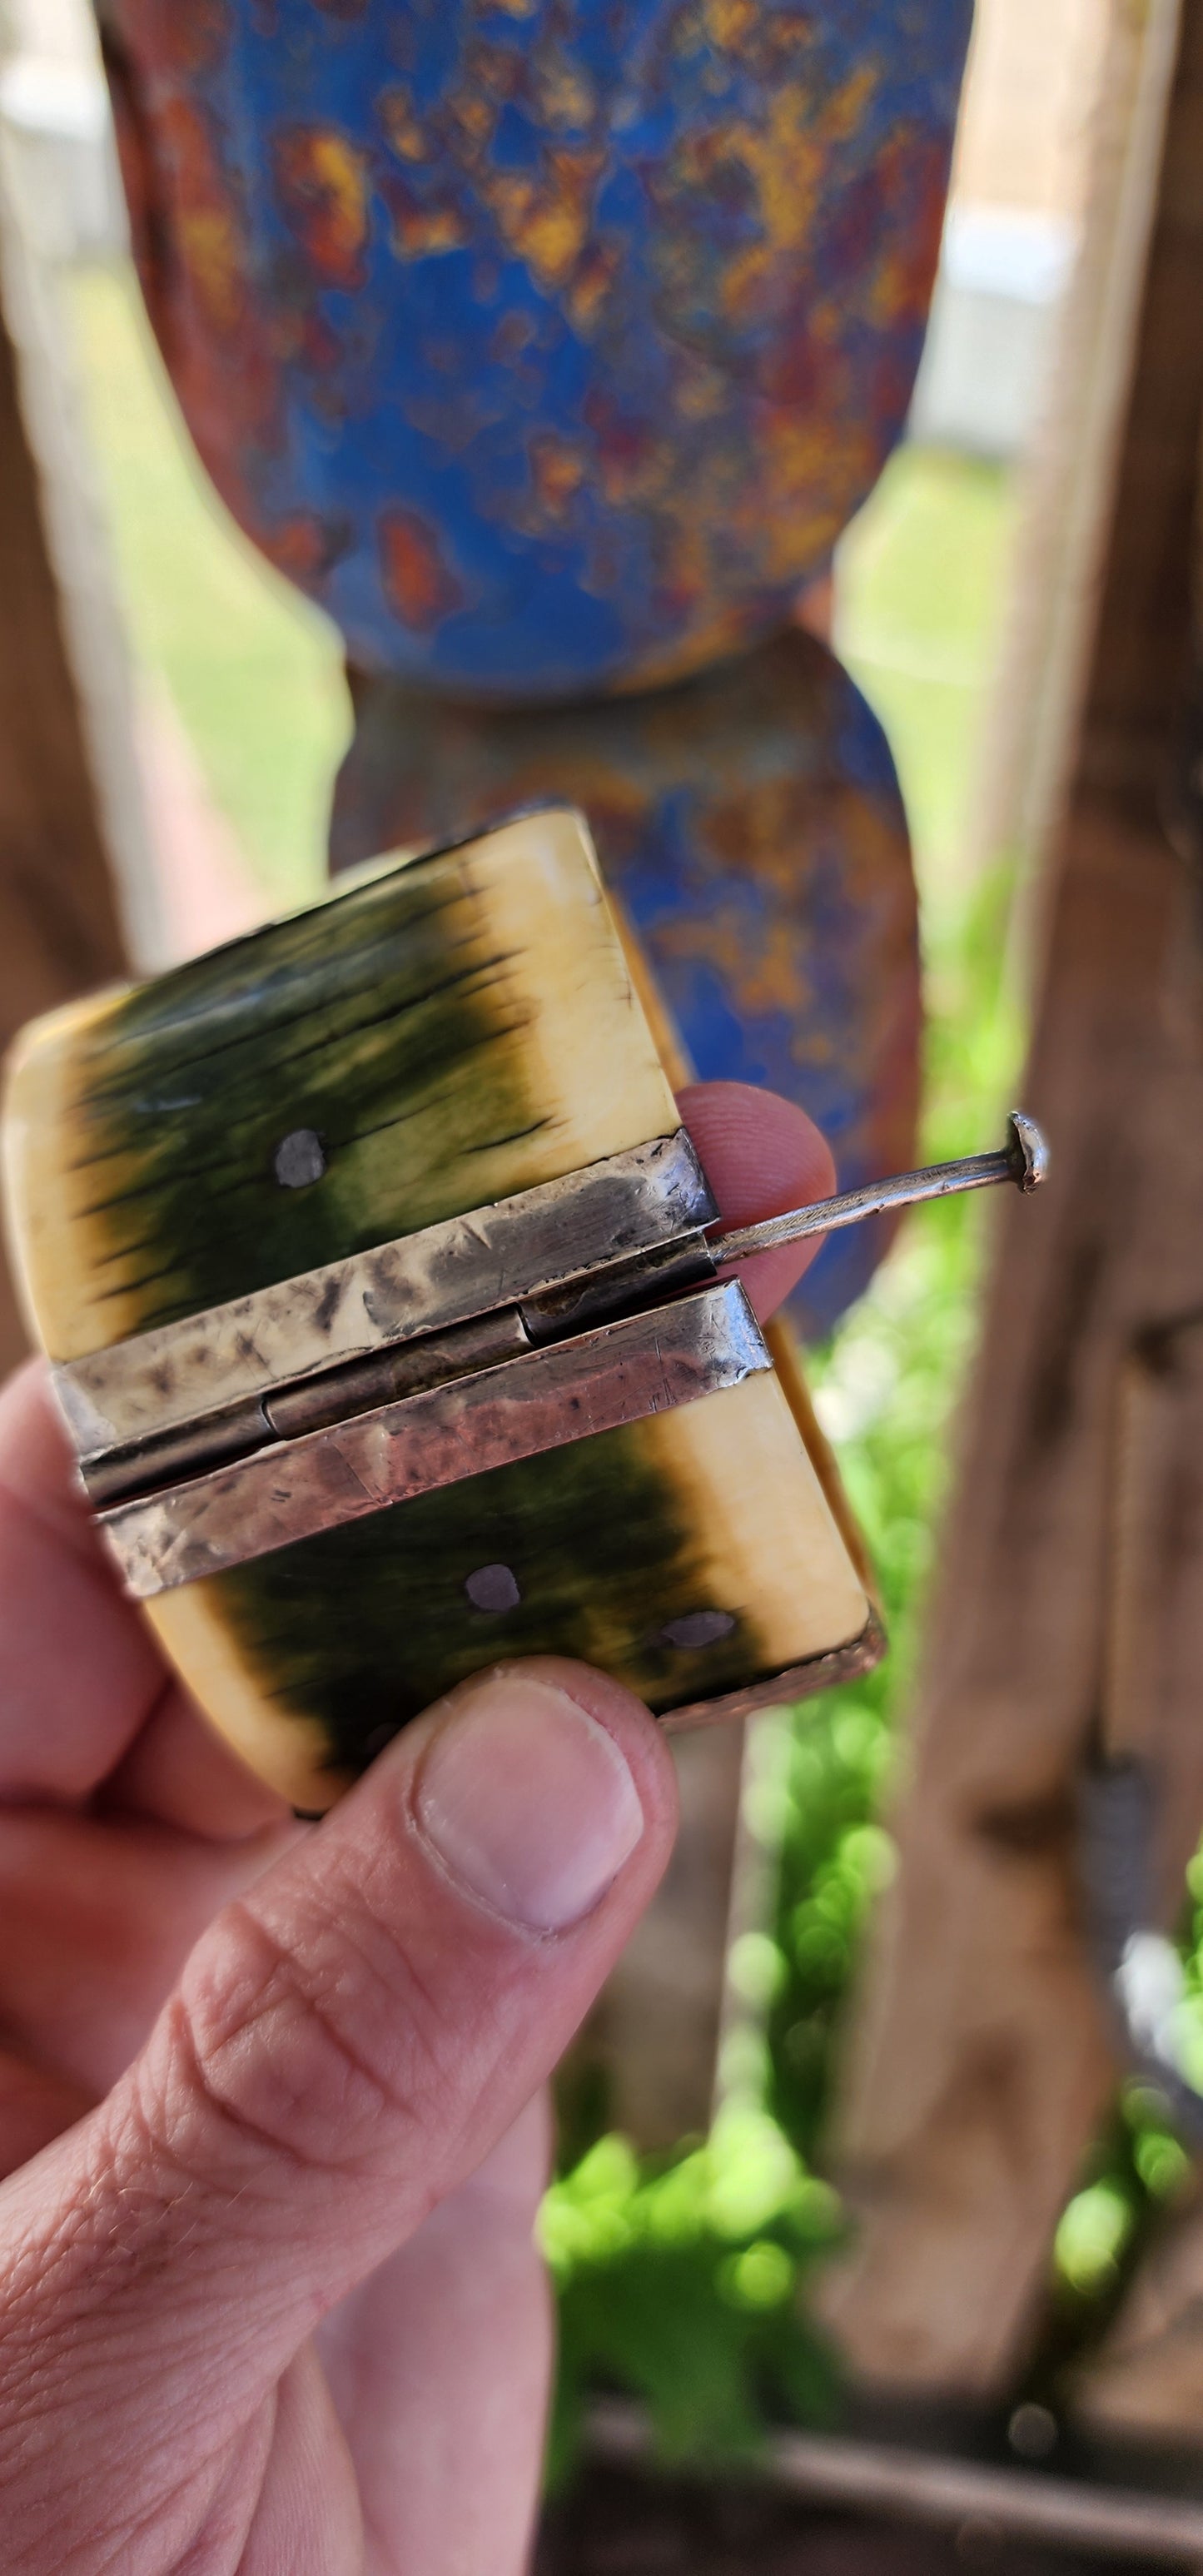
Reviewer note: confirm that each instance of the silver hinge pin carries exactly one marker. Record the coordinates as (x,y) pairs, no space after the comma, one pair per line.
(1022,1160)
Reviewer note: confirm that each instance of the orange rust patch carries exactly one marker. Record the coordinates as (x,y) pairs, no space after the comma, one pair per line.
(303,546)
(322,183)
(729,23)
(558,470)
(419,228)
(592,282)
(420,585)
(403,132)
(545,221)
(210,240)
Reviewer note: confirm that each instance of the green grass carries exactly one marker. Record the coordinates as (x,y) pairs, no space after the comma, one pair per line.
(254,671)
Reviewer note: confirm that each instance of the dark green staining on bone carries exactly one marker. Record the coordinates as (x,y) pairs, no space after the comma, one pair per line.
(363,1626)
(312,1090)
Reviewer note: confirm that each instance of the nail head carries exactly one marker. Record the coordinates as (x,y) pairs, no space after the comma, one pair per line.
(299,1159)
(1027,1150)
(697,1628)
(493,1587)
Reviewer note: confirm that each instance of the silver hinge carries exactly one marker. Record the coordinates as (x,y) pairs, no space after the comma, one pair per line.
(567,1309)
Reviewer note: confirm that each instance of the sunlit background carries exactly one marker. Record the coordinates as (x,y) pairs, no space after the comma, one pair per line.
(681,2281)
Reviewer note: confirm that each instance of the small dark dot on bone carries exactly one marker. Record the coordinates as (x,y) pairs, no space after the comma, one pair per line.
(493,1587)
(698,1628)
(299,1159)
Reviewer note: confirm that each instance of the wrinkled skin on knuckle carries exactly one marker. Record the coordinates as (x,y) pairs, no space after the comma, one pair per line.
(63,2254)
(335,2052)
(73,2459)
(263,2054)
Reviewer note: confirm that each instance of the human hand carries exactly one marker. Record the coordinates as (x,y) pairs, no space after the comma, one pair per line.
(270,2109)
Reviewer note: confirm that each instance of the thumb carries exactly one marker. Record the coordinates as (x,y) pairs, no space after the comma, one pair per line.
(344,2046)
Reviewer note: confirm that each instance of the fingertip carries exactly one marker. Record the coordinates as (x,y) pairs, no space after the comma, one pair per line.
(542,1789)
(762,1152)
(70,1641)
(36,1460)
(762,1156)
(641,1742)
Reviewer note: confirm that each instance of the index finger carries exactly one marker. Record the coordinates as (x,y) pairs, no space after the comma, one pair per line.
(79,1671)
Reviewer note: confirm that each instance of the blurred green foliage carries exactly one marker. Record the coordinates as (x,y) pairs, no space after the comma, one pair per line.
(681,2285)
(1136,2166)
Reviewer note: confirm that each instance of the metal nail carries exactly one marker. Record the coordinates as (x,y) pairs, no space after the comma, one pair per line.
(1023,1159)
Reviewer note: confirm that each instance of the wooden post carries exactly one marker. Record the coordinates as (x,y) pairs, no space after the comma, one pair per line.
(67,792)
(979,2062)
(655,2030)
(1069,478)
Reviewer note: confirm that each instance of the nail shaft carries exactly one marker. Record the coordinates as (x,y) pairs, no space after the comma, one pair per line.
(1022,1160)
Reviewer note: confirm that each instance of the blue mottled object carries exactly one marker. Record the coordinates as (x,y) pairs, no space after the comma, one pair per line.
(751,824)
(548,343)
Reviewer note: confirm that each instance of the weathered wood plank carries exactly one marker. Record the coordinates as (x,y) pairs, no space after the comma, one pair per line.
(60,929)
(1031,744)
(979,2061)
(655,2031)
(1147,2381)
